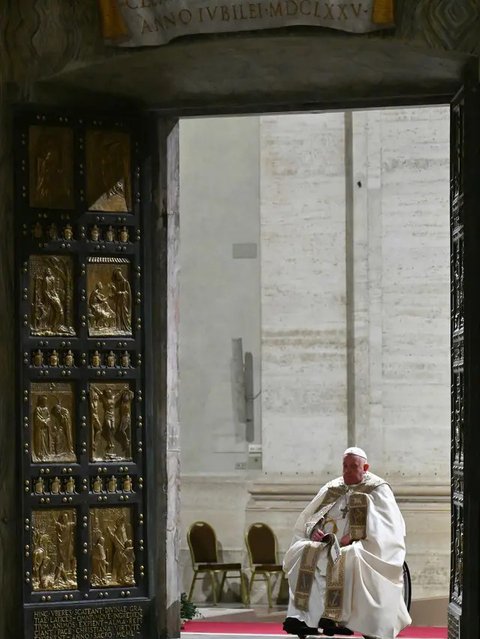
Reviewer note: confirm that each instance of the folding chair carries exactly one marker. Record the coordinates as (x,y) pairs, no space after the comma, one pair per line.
(202,542)
(262,553)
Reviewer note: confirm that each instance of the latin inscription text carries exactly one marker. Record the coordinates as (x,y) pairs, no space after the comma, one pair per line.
(114,622)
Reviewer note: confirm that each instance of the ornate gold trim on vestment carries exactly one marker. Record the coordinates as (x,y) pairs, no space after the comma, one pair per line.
(306,574)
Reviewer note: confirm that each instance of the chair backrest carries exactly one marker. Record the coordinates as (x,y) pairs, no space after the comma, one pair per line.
(202,543)
(261,544)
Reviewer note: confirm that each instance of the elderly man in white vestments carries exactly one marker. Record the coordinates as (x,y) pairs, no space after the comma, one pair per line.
(345,563)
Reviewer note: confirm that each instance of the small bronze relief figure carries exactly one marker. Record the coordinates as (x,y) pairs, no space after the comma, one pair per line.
(112,484)
(52,427)
(70,486)
(111,547)
(96,359)
(51,167)
(127,484)
(68,359)
(95,233)
(39,486)
(108,171)
(53,359)
(109,298)
(54,564)
(56,486)
(110,421)
(51,295)
(97,484)
(68,232)
(38,358)
(123,234)
(111,359)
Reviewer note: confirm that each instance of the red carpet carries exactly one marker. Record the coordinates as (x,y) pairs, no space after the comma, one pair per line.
(227,628)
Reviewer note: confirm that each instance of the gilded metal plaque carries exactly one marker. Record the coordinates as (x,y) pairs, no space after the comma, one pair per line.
(108,171)
(52,415)
(109,297)
(54,563)
(51,167)
(110,421)
(111,547)
(51,295)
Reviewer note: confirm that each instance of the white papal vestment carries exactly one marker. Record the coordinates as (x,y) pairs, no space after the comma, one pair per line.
(364,589)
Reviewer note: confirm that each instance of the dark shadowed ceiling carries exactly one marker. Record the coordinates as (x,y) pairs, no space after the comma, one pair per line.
(249,72)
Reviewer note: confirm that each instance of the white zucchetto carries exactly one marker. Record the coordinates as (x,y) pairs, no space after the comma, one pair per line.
(354,450)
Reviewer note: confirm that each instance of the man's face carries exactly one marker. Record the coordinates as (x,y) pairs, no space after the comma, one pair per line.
(354,468)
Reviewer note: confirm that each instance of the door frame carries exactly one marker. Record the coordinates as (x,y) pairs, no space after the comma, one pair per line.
(463,622)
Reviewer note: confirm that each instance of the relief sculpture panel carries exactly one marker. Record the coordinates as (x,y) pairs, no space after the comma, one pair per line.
(52,413)
(111,547)
(108,171)
(111,421)
(109,297)
(51,167)
(79,262)
(51,295)
(54,563)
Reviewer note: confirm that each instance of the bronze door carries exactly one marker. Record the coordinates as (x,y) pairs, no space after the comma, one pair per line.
(82,400)
(463,613)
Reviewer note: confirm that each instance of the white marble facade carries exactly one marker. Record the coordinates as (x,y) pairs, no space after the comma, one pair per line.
(343,304)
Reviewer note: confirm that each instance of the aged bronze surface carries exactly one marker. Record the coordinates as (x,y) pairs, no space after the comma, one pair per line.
(108,171)
(52,417)
(88,623)
(127,484)
(109,297)
(78,395)
(111,547)
(51,295)
(51,167)
(97,485)
(54,564)
(110,421)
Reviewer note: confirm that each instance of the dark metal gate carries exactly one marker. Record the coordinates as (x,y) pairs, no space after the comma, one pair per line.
(463,614)
(81,385)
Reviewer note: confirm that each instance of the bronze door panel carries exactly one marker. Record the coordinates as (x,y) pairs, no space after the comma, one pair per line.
(82,400)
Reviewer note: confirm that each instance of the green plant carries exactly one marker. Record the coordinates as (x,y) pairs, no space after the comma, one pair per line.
(188,610)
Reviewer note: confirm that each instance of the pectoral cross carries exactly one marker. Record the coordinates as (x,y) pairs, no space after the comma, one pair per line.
(344,511)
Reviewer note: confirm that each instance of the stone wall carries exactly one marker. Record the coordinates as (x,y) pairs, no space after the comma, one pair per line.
(219,290)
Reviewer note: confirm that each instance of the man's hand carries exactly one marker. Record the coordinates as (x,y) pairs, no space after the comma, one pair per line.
(317,535)
(346,540)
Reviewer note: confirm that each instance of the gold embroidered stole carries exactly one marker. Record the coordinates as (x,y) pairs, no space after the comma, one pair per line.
(334,590)
(357,515)
(306,575)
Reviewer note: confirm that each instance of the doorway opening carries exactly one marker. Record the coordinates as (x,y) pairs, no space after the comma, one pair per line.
(314,299)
